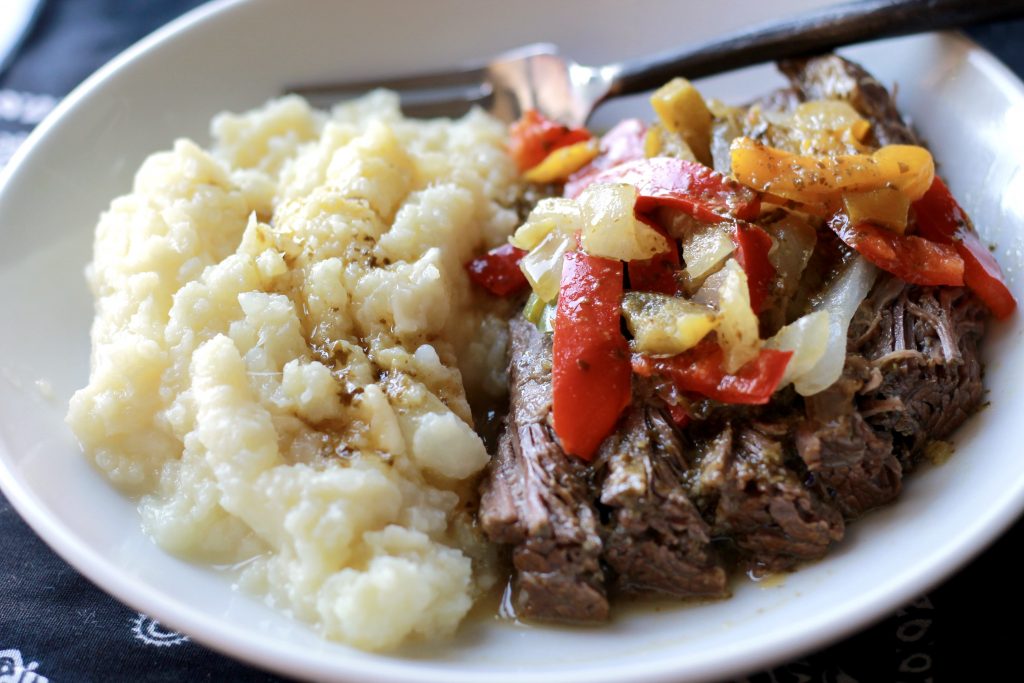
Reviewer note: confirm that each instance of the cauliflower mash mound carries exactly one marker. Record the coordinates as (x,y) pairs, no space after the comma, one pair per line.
(284,343)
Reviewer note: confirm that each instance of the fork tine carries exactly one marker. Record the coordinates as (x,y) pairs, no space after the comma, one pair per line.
(425,108)
(449,92)
(418,103)
(425,81)
(441,93)
(464,75)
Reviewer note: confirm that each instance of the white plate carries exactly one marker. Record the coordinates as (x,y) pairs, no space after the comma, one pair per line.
(233,56)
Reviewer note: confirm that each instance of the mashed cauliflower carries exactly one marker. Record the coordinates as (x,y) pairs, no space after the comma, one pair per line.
(284,344)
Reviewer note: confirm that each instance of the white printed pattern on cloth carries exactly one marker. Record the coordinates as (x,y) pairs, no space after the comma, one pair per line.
(150,632)
(24,108)
(13,669)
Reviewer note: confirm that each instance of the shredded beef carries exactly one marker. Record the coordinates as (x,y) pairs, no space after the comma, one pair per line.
(852,464)
(924,343)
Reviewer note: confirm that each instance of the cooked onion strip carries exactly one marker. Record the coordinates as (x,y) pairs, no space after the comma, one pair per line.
(738,332)
(610,226)
(840,300)
(550,214)
(807,337)
(543,265)
(705,247)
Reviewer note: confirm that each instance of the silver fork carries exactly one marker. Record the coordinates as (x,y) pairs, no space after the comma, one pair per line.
(537,77)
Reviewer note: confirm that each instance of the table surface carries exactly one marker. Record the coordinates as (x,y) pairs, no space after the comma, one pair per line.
(55,625)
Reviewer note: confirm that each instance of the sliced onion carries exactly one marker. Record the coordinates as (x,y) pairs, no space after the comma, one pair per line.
(738,328)
(707,293)
(610,226)
(543,265)
(551,214)
(725,128)
(705,248)
(807,337)
(840,299)
(793,241)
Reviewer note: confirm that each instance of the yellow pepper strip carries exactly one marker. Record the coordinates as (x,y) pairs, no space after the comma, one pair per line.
(563,162)
(665,325)
(860,130)
(682,110)
(661,142)
(825,208)
(812,179)
(885,207)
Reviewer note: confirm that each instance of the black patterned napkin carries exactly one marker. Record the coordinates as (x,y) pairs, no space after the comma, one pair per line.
(56,626)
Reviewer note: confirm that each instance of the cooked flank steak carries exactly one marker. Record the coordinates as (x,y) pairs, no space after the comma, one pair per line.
(688,487)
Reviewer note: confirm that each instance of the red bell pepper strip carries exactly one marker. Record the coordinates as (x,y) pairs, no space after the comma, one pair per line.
(699,371)
(590,370)
(533,137)
(498,271)
(688,186)
(752,247)
(656,274)
(940,218)
(624,142)
(911,258)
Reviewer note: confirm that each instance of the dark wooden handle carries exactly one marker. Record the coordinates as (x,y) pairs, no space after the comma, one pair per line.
(819,31)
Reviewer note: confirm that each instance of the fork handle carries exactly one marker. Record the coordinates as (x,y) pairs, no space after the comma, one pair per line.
(817,31)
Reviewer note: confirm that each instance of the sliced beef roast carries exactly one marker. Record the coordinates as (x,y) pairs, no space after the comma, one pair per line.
(757,501)
(540,500)
(656,540)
